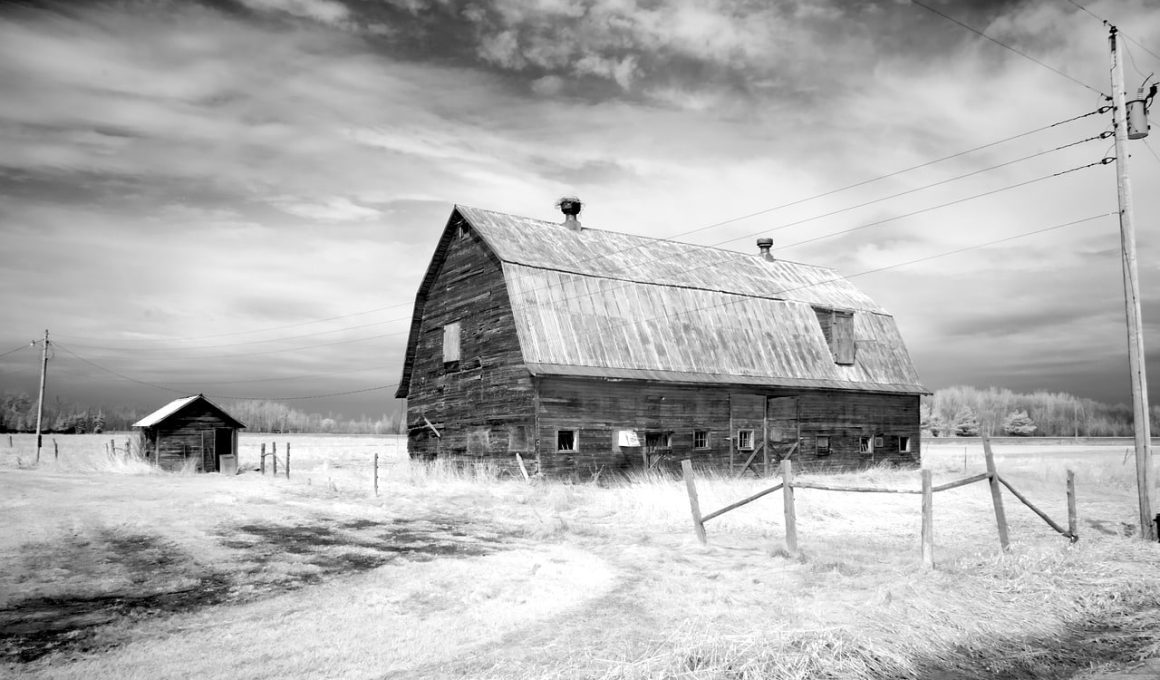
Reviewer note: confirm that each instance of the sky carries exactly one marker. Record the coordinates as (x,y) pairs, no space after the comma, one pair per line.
(240,197)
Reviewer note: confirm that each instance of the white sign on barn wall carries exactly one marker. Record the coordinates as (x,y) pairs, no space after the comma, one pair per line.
(628,438)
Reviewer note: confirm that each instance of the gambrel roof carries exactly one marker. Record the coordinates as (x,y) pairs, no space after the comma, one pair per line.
(604,304)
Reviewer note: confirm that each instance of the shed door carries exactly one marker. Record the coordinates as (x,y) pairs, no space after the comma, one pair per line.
(223,445)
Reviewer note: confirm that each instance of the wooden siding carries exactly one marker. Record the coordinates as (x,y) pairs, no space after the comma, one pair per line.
(599,409)
(480,402)
(187,438)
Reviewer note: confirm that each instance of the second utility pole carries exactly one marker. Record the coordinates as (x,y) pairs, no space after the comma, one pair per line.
(40,402)
(1132,296)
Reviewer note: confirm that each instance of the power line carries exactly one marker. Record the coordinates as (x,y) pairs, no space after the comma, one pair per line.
(1006,46)
(13,351)
(1108,23)
(942,205)
(223,396)
(1101,19)
(1152,150)
(247,342)
(861,183)
(627,282)
(925,186)
(638,246)
(836,279)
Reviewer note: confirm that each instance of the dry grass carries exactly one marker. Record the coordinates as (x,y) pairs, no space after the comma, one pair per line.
(555,580)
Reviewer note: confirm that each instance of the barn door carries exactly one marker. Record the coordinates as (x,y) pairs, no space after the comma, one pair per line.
(782,417)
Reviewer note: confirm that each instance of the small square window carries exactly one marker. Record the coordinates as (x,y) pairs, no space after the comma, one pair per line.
(567,440)
(700,439)
(904,444)
(822,445)
(865,445)
(745,440)
(878,442)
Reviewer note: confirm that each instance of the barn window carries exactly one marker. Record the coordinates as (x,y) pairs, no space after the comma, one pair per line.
(567,440)
(745,440)
(879,442)
(838,329)
(654,441)
(822,445)
(865,445)
(904,444)
(451,334)
(700,439)
(517,438)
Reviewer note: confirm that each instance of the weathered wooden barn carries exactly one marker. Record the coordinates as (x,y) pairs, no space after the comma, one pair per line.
(584,349)
(191,430)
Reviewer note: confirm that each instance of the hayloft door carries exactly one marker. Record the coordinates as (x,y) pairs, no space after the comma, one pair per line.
(782,418)
(223,445)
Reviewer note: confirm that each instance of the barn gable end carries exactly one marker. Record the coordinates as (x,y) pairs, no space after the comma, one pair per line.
(477,401)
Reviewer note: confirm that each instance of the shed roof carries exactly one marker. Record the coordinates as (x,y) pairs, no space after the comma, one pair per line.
(177,405)
(597,303)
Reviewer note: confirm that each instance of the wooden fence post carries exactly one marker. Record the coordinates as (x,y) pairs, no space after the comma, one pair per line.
(694,505)
(128,449)
(9,441)
(927,521)
(262,464)
(113,446)
(274,455)
(1072,521)
(287,460)
(376,474)
(55,450)
(996,493)
(523,468)
(791,542)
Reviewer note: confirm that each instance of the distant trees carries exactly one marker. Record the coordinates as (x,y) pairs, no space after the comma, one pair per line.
(1045,414)
(966,423)
(1019,424)
(18,414)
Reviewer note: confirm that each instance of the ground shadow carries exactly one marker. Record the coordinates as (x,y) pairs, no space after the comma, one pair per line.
(158,578)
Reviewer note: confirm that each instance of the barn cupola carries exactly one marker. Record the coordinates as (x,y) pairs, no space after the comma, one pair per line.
(763,246)
(570,206)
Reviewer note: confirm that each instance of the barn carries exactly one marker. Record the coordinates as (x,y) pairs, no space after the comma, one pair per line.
(191,431)
(583,349)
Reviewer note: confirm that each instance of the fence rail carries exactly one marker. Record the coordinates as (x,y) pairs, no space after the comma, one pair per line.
(789,484)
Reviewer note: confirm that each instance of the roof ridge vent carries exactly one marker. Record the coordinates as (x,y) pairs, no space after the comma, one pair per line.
(570,206)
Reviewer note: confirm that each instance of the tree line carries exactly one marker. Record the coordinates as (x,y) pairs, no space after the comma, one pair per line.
(964,411)
(18,414)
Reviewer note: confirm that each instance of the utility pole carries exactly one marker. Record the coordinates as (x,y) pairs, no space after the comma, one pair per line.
(40,402)
(1132,295)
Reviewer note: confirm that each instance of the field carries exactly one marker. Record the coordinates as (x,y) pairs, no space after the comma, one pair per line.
(111,569)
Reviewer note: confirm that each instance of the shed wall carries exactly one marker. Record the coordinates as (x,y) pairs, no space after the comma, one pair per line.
(188,437)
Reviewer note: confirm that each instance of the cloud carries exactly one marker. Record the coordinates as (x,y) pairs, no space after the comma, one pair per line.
(333,209)
(325,11)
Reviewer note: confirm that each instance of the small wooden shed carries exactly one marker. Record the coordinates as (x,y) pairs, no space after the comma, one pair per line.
(191,429)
